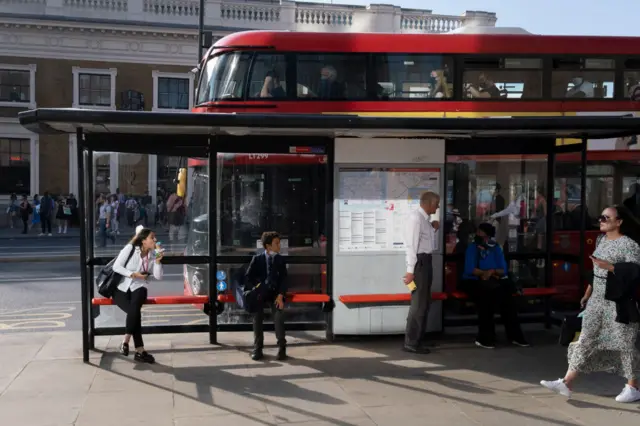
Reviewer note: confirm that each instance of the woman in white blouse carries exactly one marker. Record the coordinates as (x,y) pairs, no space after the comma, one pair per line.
(132,291)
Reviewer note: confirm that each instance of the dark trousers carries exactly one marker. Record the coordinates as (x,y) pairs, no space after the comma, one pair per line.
(420,301)
(489,296)
(131,303)
(45,220)
(258,327)
(25,224)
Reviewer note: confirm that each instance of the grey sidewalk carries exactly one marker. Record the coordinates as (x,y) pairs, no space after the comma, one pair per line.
(368,382)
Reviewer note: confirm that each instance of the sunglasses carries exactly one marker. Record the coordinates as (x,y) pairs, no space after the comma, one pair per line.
(604,219)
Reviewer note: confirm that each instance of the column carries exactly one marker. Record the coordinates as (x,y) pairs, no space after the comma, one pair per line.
(153,178)
(73,165)
(34,172)
(113,172)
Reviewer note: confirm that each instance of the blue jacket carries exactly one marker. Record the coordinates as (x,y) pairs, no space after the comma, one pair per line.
(493,258)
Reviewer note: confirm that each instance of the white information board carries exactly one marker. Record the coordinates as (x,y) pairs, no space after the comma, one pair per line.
(374,203)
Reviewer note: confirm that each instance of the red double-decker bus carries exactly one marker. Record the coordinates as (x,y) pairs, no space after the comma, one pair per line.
(454,75)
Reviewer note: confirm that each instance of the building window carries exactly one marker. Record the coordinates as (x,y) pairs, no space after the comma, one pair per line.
(172,91)
(94,88)
(15,166)
(17,85)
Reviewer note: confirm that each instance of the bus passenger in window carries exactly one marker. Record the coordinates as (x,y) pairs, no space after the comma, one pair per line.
(581,88)
(440,88)
(633,89)
(486,88)
(272,87)
(330,88)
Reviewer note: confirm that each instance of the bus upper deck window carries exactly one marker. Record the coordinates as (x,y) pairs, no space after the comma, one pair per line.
(580,78)
(502,78)
(223,76)
(632,79)
(329,76)
(413,76)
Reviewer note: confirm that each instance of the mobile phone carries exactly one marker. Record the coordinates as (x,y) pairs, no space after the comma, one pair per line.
(146,274)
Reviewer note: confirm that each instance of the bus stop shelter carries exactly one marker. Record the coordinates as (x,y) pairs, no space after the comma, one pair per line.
(207,135)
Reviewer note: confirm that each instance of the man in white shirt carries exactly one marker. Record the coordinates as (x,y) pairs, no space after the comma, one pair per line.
(420,242)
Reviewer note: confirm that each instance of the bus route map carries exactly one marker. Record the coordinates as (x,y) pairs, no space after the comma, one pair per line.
(374,202)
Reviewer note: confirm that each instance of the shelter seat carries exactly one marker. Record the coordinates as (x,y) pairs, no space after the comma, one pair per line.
(527,292)
(291,298)
(158,300)
(353,299)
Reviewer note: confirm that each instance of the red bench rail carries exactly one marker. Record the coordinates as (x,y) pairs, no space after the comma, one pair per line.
(158,300)
(352,299)
(526,292)
(291,298)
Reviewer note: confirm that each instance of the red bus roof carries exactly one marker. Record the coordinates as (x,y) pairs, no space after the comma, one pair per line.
(433,43)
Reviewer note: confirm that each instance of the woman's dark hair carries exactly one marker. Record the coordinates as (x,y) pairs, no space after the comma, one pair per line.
(630,225)
(488,229)
(137,239)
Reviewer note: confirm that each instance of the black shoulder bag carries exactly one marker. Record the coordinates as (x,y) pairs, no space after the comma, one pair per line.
(108,280)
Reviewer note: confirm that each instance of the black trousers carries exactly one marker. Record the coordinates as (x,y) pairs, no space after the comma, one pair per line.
(45,220)
(420,301)
(25,224)
(131,303)
(258,326)
(489,296)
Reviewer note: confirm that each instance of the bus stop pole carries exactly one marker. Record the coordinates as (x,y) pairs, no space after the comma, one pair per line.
(84,285)
(213,244)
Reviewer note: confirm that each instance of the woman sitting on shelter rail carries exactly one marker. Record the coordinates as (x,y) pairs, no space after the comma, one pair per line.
(139,259)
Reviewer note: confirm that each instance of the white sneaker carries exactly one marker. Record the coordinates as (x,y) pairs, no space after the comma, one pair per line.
(557,386)
(49,234)
(628,394)
(484,345)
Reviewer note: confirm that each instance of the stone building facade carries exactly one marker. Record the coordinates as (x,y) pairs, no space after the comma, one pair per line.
(137,54)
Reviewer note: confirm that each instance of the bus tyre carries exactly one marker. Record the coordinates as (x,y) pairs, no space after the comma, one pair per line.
(197,284)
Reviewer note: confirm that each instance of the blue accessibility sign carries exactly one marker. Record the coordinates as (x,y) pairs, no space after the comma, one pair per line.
(566,266)
(221,275)
(221,286)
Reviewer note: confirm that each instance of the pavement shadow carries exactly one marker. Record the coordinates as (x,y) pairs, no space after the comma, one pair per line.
(258,388)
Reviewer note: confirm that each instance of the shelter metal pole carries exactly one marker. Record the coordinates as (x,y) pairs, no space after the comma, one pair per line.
(213,244)
(583,212)
(90,238)
(200,31)
(82,202)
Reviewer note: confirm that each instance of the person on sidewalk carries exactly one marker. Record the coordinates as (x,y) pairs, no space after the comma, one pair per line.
(35,220)
(268,269)
(485,279)
(46,211)
(104,221)
(606,344)
(420,243)
(63,214)
(137,261)
(25,211)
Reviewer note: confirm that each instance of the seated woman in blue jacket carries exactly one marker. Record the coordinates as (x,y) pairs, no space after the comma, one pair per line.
(485,280)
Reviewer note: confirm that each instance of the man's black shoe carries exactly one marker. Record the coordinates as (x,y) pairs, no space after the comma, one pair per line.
(257,355)
(282,354)
(416,350)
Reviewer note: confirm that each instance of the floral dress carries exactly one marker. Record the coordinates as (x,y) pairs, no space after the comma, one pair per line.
(604,344)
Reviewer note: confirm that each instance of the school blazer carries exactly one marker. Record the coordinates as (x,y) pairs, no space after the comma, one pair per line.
(257,273)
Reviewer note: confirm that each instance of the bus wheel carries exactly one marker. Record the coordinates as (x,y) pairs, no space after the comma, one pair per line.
(197,283)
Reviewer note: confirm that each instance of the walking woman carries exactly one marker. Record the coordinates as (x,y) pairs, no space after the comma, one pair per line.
(606,344)
(144,260)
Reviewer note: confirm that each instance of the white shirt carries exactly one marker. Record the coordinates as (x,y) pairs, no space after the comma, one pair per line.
(512,210)
(104,209)
(420,237)
(135,264)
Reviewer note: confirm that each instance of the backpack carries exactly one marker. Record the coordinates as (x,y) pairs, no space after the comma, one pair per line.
(108,280)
